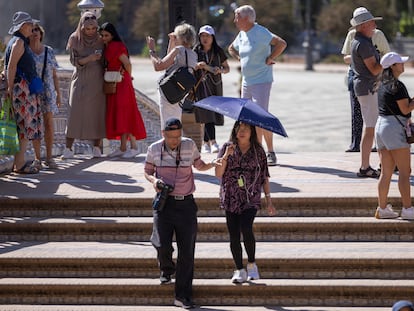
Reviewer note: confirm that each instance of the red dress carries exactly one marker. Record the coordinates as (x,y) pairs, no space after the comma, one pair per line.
(122,114)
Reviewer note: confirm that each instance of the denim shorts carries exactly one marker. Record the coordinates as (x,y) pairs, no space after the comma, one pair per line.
(389,133)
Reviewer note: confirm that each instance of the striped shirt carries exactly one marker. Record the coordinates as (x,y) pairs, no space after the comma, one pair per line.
(173,167)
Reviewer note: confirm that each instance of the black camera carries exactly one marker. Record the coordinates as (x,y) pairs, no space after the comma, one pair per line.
(161,196)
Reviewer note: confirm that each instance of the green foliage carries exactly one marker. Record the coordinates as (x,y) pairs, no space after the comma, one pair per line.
(406,25)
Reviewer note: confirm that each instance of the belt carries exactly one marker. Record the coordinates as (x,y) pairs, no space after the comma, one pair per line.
(181,197)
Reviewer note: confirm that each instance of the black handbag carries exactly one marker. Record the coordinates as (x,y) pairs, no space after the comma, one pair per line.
(177,83)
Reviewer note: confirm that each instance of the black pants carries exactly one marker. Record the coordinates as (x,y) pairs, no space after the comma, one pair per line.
(357,122)
(243,224)
(209,132)
(179,217)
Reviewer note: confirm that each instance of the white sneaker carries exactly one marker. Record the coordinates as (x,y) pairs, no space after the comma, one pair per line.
(67,154)
(96,153)
(215,148)
(116,153)
(385,213)
(407,213)
(239,276)
(205,148)
(252,272)
(131,153)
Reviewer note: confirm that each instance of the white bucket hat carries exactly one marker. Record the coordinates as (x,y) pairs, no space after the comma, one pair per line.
(19,18)
(362,15)
(392,58)
(207,29)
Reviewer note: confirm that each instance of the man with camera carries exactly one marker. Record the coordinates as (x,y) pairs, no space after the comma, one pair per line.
(168,167)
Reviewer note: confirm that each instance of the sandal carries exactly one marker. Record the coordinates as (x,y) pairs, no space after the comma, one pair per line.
(51,164)
(368,172)
(37,164)
(27,168)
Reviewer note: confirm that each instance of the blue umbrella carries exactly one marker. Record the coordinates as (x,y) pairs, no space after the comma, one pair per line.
(244,110)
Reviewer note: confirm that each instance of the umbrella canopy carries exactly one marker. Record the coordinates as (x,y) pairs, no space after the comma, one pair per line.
(244,110)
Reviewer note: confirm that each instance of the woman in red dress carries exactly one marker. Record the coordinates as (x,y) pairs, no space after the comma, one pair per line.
(123,119)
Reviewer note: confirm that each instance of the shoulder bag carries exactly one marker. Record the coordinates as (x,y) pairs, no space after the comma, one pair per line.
(177,83)
(9,142)
(111,78)
(408,128)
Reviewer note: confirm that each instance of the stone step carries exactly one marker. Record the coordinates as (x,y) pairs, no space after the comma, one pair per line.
(139,291)
(96,207)
(173,308)
(305,260)
(209,229)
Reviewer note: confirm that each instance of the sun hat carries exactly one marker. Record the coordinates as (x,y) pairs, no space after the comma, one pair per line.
(392,58)
(207,29)
(173,124)
(19,18)
(402,304)
(361,15)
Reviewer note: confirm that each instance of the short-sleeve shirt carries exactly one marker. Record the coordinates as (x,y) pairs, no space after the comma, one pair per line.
(254,47)
(388,97)
(174,167)
(362,48)
(252,168)
(378,39)
(180,59)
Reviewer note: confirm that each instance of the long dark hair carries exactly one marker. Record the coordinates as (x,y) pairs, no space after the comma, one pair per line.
(253,134)
(388,79)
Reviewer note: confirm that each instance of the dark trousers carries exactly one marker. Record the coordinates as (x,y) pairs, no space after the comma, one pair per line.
(179,217)
(209,132)
(357,122)
(242,223)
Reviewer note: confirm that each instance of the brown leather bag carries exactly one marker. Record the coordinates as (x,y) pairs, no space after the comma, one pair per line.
(109,87)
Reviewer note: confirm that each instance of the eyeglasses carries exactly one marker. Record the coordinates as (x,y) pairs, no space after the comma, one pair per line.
(90,17)
(35,29)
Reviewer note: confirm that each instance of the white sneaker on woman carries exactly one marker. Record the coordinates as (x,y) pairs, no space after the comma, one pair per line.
(131,153)
(407,213)
(239,276)
(96,153)
(385,213)
(116,153)
(67,154)
(252,271)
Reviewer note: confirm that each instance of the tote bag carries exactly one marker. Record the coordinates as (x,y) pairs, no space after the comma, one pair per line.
(9,142)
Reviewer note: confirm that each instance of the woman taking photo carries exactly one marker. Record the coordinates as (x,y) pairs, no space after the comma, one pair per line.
(179,54)
(212,62)
(123,119)
(395,106)
(244,173)
(21,72)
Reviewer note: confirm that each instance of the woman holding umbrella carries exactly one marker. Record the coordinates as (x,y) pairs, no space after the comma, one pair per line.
(244,173)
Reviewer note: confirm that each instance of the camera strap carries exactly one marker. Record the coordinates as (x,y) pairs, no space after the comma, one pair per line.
(177,158)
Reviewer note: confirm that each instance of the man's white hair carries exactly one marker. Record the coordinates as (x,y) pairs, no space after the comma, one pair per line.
(247,11)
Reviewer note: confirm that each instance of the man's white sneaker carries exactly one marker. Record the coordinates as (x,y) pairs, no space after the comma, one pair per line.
(116,153)
(407,213)
(131,153)
(252,272)
(205,148)
(385,213)
(96,153)
(215,148)
(67,154)
(239,276)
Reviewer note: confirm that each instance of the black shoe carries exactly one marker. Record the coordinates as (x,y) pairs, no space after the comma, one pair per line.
(184,303)
(352,150)
(165,279)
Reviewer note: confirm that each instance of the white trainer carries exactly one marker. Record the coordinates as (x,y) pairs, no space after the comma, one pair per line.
(239,276)
(96,153)
(252,271)
(205,148)
(407,213)
(116,153)
(215,148)
(385,213)
(131,153)
(67,154)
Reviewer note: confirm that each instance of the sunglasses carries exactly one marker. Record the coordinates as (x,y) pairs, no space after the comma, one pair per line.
(90,17)
(35,29)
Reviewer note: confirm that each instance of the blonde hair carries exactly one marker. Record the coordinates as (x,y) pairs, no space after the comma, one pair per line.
(186,33)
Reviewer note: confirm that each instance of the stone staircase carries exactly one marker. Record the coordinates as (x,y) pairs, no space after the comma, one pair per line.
(319,252)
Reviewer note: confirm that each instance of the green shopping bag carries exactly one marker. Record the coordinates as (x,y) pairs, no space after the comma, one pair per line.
(9,142)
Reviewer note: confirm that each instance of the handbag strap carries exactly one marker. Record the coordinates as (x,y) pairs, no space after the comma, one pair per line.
(388,107)
(44,65)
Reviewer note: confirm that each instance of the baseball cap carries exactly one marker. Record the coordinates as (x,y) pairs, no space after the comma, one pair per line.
(207,29)
(173,124)
(402,304)
(392,58)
